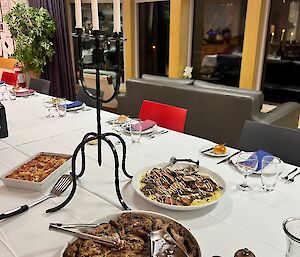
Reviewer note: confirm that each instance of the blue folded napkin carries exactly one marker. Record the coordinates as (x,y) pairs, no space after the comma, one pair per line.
(74,104)
(260,155)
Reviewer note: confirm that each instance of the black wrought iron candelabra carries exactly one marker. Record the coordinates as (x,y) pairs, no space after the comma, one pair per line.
(97,135)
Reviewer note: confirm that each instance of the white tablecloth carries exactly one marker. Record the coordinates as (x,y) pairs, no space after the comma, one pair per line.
(239,220)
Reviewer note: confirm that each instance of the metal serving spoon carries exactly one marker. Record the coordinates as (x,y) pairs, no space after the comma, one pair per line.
(163,245)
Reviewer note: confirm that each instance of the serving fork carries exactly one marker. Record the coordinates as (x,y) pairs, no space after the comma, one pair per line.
(60,186)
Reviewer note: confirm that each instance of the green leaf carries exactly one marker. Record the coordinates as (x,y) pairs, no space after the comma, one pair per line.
(33,31)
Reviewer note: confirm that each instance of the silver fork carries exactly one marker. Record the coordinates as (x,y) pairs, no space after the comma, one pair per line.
(60,186)
(158,133)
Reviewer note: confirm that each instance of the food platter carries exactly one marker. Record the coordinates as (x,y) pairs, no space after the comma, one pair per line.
(201,172)
(150,221)
(23,183)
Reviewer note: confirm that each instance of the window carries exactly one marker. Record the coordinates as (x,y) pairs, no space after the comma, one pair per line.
(218,40)
(109,58)
(282,58)
(153,36)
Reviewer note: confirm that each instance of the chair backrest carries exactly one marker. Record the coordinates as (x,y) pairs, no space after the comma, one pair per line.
(279,141)
(83,97)
(164,115)
(40,85)
(9,78)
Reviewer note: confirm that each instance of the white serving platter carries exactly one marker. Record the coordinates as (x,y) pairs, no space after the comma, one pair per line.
(136,183)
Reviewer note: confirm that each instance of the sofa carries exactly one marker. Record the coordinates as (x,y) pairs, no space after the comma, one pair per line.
(215,112)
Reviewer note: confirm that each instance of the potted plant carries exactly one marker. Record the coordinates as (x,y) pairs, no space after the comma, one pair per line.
(32,30)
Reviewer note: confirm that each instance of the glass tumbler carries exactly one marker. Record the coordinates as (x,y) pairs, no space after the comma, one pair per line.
(61,107)
(291,227)
(12,94)
(271,168)
(135,127)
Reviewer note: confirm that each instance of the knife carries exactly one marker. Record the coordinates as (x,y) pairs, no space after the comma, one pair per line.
(229,157)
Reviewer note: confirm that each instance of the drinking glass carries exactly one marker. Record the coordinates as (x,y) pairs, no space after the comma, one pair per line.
(61,106)
(135,127)
(2,91)
(12,94)
(270,171)
(48,103)
(247,163)
(117,126)
(291,227)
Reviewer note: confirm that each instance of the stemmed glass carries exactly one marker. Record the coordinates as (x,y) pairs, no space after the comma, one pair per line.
(247,163)
(48,103)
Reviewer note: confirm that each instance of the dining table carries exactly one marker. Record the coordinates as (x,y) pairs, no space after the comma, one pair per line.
(239,220)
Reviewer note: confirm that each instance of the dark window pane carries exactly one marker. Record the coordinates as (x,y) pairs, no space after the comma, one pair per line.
(154,28)
(282,59)
(218,40)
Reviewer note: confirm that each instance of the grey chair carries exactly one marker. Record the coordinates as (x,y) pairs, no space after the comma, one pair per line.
(40,85)
(83,97)
(279,141)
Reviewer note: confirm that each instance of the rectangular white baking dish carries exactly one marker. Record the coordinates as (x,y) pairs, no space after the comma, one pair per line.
(37,186)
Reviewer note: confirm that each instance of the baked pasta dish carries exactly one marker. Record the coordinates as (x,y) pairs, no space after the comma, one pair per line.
(133,230)
(39,168)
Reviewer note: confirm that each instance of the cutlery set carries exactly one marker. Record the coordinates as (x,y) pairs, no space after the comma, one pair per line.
(290,173)
(156,133)
(228,159)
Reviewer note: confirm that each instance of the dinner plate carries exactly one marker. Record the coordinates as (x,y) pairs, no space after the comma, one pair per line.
(165,218)
(212,154)
(146,131)
(25,92)
(76,108)
(136,183)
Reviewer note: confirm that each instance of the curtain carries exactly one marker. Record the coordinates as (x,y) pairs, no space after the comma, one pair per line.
(59,71)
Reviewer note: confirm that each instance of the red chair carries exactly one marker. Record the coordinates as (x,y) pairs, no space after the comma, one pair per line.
(9,78)
(164,115)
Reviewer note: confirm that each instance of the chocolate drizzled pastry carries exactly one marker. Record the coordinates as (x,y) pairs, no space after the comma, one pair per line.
(133,231)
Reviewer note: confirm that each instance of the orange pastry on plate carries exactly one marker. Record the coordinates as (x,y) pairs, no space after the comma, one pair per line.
(219,149)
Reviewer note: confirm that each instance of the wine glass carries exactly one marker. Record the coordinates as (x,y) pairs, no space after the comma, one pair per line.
(247,163)
(61,106)
(48,103)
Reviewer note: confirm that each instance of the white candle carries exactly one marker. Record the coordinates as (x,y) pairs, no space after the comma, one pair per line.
(117,16)
(95,18)
(291,38)
(78,15)
(282,34)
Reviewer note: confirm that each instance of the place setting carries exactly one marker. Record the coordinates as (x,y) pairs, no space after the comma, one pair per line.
(136,128)
(267,168)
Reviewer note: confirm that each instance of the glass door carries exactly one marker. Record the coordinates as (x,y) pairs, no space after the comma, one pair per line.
(153,31)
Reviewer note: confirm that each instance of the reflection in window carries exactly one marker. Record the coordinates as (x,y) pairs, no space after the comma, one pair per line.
(218,39)
(282,60)
(108,58)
